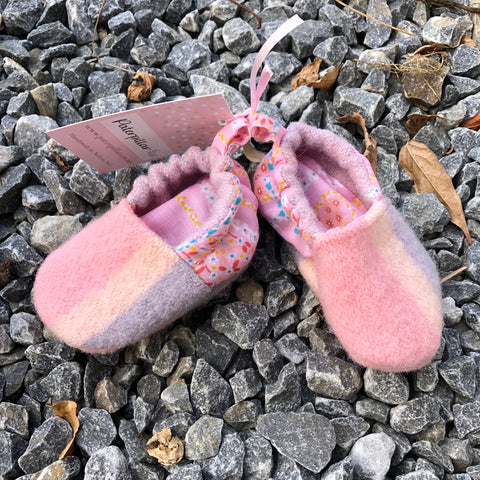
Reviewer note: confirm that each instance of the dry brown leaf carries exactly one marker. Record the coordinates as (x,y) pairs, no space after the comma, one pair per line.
(466,40)
(67,409)
(415,121)
(307,75)
(472,123)
(370,143)
(166,449)
(328,80)
(141,87)
(429,49)
(252,153)
(430,176)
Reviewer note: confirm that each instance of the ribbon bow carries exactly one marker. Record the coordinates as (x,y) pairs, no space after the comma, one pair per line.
(251,124)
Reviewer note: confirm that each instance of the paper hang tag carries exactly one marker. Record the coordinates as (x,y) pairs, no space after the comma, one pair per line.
(145,134)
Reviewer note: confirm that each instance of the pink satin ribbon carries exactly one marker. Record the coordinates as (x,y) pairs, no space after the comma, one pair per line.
(251,124)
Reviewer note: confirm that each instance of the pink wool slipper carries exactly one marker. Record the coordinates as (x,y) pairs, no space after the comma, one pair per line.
(183,234)
(379,289)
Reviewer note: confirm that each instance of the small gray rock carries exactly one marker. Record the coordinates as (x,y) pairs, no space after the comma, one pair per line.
(332,50)
(24,259)
(467,418)
(461,291)
(49,232)
(245,384)
(306,438)
(348,430)
(443,29)
(209,392)
(415,415)
(14,419)
(134,441)
(296,102)
(187,472)
(86,183)
(342,470)
(307,35)
(167,359)
(460,375)
(203,438)
(107,105)
(12,447)
(176,398)
(38,197)
(332,377)
(228,463)
(267,359)
(386,387)
(371,456)
(239,37)
(64,382)
(258,460)
(26,329)
(12,181)
(241,322)
(433,453)
(44,357)
(96,430)
(424,213)
(46,444)
(108,459)
(378,34)
(243,415)
(66,201)
(285,394)
(348,100)
(466,61)
(20,16)
(189,54)
(214,347)
(110,396)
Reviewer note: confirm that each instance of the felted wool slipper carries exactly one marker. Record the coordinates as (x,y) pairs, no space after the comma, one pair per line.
(378,287)
(182,235)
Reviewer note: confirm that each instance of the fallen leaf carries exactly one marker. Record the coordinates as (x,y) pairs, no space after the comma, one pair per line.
(166,449)
(5,270)
(430,176)
(370,143)
(466,40)
(252,153)
(141,87)
(328,79)
(432,48)
(415,121)
(472,123)
(67,409)
(307,75)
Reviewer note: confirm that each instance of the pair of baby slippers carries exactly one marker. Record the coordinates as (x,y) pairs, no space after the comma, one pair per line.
(189,228)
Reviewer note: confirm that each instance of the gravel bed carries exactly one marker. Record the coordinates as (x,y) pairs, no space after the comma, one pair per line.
(274,397)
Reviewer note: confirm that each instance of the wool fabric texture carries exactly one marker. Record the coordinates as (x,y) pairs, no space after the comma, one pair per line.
(118,281)
(379,289)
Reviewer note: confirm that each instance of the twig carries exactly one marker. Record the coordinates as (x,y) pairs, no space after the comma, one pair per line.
(453,274)
(373,19)
(449,4)
(259,20)
(94,47)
